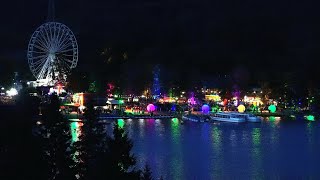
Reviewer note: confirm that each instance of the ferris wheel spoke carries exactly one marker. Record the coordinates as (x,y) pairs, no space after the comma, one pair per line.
(67,55)
(69,63)
(64,51)
(64,41)
(48,37)
(38,52)
(43,37)
(48,72)
(61,37)
(41,44)
(51,35)
(66,60)
(37,57)
(38,65)
(57,38)
(41,41)
(65,46)
(54,35)
(40,48)
(43,69)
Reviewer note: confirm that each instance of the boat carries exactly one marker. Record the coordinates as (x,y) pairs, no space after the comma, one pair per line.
(248,117)
(227,117)
(195,118)
(253,118)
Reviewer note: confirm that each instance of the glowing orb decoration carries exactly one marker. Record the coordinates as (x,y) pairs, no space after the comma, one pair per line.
(173,108)
(151,108)
(310,118)
(120,123)
(241,108)
(272,108)
(205,109)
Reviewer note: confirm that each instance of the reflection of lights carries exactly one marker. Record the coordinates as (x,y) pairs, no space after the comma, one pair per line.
(310,118)
(272,118)
(175,120)
(39,122)
(256,134)
(121,123)
(75,130)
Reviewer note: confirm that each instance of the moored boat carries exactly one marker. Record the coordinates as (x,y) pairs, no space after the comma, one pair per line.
(248,117)
(227,117)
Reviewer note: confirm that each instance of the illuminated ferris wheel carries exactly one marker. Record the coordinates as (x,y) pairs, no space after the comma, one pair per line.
(52,52)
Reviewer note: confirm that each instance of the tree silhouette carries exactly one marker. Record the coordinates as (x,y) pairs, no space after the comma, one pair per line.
(146,174)
(56,141)
(20,148)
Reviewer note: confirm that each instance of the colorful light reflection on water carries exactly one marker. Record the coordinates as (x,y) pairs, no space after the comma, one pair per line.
(75,128)
(273,148)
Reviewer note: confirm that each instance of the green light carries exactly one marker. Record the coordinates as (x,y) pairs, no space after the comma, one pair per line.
(75,131)
(272,118)
(272,108)
(256,136)
(175,120)
(292,117)
(310,118)
(121,101)
(121,123)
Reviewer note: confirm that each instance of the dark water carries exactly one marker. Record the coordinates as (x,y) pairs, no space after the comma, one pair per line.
(272,149)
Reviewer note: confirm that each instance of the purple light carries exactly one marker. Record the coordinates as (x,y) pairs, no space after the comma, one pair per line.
(205,109)
(151,108)
(192,101)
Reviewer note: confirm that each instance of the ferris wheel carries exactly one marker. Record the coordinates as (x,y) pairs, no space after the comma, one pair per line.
(52,52)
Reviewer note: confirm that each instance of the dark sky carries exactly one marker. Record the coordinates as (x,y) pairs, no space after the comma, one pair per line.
(200,35)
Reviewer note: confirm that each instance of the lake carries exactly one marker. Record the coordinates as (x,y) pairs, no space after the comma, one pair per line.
(274,148)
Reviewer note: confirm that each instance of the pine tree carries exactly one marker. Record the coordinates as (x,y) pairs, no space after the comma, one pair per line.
(117,161)
(146,174)
(92,143)
(57,141)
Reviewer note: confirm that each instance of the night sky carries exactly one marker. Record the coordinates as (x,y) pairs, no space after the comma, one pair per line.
(193,38)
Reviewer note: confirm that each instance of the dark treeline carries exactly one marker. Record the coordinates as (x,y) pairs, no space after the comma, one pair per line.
(43,148)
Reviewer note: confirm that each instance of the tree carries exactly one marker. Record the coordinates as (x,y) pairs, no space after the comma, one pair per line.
(92,143)
(20,150)
(56,142)
(116,162)
(120,157)
(146,174)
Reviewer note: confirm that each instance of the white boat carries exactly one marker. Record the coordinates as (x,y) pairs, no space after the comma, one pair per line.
(195,118)
(227,117)
(248,117)
(253,118)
